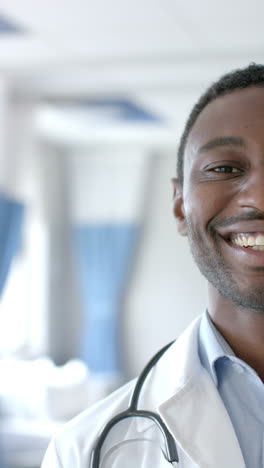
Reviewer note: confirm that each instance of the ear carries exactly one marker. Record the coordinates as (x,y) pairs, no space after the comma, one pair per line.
(178,207)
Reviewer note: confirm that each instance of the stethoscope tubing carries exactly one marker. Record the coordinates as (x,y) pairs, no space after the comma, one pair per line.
(134,412)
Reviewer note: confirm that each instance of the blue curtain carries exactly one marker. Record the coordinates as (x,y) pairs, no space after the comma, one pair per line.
(11,219)
(104,256)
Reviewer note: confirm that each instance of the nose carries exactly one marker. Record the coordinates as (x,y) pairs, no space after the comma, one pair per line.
(252,192)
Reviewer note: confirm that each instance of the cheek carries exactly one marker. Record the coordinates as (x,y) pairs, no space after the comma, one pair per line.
(204,203)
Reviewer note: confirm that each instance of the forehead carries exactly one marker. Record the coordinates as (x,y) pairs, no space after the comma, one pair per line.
(238,113)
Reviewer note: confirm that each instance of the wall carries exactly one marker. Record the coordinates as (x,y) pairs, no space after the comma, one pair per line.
(167,290)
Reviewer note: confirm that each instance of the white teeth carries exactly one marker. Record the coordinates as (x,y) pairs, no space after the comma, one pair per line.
(247,240)
(260,240)
(257,247)
(237,241)
(251,241)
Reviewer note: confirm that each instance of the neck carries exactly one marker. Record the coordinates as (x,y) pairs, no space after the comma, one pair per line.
(243,329)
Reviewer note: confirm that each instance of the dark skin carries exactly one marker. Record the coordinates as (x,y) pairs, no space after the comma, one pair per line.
(221,200)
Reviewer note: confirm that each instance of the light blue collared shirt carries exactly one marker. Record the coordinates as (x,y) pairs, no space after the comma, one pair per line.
(240,388)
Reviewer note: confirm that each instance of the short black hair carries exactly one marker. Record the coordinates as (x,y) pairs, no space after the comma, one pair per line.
(252,75)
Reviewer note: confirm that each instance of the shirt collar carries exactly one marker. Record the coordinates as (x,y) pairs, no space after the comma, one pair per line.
(212,346)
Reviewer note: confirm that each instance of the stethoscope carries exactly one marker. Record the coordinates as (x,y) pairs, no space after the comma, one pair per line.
(132,411)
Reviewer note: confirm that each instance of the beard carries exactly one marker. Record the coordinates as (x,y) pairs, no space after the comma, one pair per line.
(218,273)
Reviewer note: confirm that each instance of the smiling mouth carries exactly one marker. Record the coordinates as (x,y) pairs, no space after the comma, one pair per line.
(251,240)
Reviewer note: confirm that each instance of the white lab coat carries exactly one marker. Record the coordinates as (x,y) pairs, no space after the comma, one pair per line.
(184,395)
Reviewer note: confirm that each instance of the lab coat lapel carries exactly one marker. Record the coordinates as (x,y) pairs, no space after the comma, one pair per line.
(199,422)
(190,405)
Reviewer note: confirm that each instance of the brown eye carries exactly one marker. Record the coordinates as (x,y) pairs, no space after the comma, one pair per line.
(226,169)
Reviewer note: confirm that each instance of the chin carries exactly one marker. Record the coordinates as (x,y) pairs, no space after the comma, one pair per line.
(251,299)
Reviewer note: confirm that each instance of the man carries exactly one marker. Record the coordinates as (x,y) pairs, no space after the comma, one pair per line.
(208,386)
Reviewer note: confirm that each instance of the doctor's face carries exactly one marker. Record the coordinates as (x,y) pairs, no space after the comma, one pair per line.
(220,206)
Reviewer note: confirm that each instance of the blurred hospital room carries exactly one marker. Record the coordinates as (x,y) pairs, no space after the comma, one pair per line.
(94,277)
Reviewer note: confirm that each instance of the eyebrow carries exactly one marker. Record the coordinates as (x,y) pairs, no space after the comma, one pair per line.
(222,141)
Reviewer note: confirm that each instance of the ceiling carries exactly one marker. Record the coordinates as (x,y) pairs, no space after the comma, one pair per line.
(160,53)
